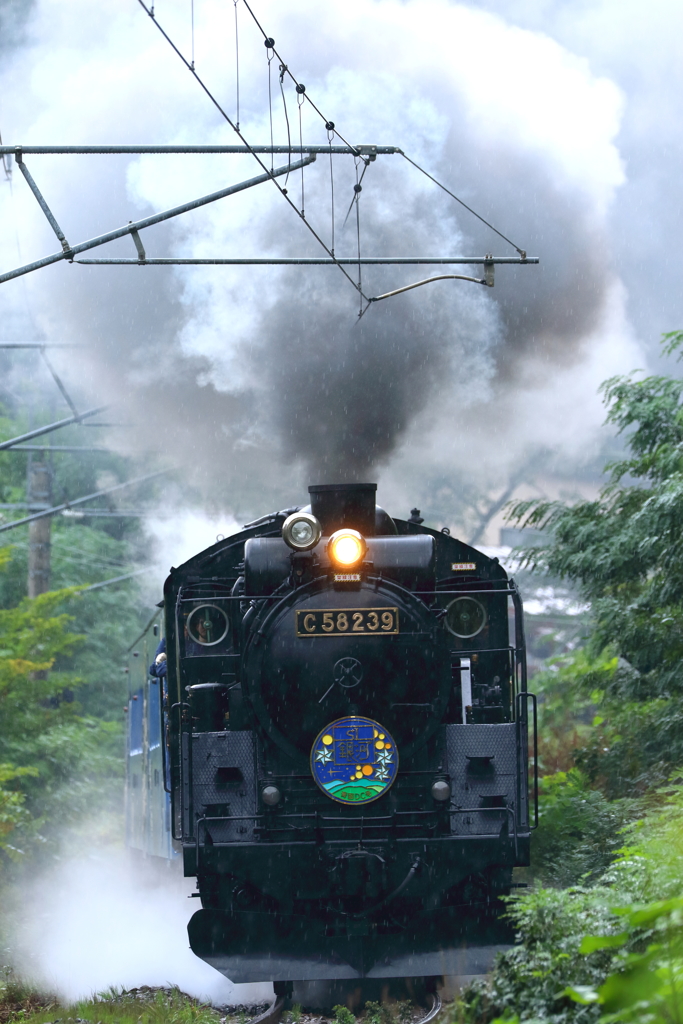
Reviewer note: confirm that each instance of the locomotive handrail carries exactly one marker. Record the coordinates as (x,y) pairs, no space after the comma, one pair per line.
(346,824)
(485,650)
(480,590)
(522,716)
(385,579)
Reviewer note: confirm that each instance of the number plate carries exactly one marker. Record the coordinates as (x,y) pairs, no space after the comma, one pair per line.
(347,622)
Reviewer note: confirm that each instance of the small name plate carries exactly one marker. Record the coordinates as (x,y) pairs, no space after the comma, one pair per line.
(346,621)
(346,577)
(463,566)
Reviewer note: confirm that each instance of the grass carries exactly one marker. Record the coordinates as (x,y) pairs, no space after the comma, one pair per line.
(137,1006)
(21,1003)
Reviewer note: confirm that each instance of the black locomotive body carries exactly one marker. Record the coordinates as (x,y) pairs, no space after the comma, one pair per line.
(282,661)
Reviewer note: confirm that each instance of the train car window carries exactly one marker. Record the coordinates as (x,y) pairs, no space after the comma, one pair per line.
(465,617)
(135,724)
(207,625)
(154,722)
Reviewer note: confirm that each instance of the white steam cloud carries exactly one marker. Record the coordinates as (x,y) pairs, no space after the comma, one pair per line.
(259,379)
(101,921)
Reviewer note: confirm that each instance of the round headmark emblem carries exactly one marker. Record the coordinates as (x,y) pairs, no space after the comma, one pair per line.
(354,760)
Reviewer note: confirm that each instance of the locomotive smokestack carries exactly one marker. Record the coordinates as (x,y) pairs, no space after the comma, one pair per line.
(338,505)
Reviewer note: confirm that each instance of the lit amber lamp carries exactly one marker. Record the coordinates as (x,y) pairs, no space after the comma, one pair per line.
(346,548)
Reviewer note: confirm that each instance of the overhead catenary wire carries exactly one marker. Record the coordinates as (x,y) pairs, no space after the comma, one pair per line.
(79,501)
(356,193)
(237,68)
(357,190)
(114,579)
(522,252)
(294,80)
(6,164)
(428,280)
(269,57)
(300,97)
(58,382)
(357,151)
(282,70)
(261,163)
(419,284)
(330,135)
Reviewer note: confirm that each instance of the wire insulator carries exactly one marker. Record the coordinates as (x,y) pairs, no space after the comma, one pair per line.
(301,88)
(329,125)
(269,43)
(357,188)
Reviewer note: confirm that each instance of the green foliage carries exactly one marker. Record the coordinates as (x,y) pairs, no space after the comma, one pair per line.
(584,949)
(647,984)
(531,979)
(61,684)
(625,551)
(377,1013)
(137,1006)
(13,813)
(52,757)
(404,1011)
(579,831)
(107,618)
(569,689)
(342,1015)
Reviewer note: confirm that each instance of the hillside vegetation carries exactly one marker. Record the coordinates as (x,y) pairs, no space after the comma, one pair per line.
(601,928)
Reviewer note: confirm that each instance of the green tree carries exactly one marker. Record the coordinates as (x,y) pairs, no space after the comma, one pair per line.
(625,552)
(53,759)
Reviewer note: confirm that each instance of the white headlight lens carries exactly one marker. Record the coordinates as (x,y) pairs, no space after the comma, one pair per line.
(301,531)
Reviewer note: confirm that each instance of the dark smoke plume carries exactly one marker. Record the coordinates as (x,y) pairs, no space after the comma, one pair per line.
(248,377)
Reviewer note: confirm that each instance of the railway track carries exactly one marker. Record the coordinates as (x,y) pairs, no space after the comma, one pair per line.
(274,1012)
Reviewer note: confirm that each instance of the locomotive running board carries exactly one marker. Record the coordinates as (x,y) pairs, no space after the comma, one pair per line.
(251,947)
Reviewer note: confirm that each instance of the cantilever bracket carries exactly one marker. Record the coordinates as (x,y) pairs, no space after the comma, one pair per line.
(18,156)
(138,244)
(70,252)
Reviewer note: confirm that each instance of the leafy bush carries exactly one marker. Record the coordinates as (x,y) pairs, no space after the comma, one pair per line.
(531,978)
(579,831)
(377,1013)
(578,948)
(342,1015)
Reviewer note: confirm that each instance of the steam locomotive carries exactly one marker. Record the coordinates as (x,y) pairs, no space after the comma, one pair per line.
(339,749)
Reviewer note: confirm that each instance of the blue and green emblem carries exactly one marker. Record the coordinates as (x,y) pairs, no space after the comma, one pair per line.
(354,760)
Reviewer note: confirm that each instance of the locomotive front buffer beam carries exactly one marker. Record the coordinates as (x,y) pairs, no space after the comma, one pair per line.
(449,937)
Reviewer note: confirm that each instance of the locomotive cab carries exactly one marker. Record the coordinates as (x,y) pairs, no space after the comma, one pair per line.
(348,738)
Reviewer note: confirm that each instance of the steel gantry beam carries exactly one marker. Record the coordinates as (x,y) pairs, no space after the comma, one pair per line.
(39,431)
(361,150)
(309,261)
(70,251)
(307,156)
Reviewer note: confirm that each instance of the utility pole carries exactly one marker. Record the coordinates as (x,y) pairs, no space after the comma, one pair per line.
(39,496)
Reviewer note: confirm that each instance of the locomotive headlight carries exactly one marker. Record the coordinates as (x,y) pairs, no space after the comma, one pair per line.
(301,531)
(346,547)
(271,795)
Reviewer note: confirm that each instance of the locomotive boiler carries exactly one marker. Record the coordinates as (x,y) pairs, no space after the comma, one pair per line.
(345,745)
